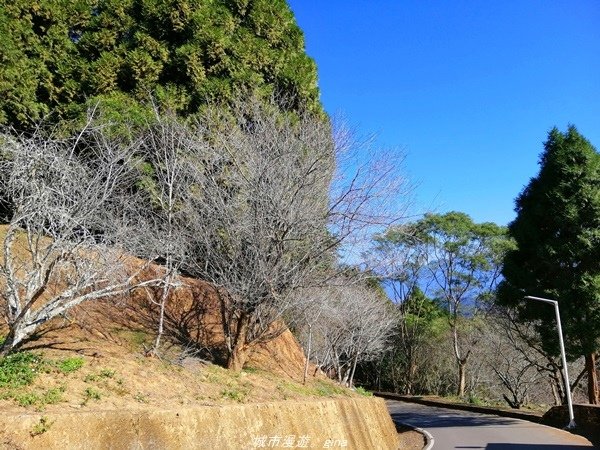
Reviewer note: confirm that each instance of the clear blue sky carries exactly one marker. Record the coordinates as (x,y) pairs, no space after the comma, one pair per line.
(468,88)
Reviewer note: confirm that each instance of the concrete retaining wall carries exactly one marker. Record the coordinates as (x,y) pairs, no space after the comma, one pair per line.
(355,423)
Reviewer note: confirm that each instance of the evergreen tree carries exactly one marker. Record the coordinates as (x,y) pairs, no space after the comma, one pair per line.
(62,56)
(557,231)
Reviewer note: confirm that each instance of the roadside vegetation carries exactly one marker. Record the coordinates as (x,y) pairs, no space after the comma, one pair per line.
(176,205)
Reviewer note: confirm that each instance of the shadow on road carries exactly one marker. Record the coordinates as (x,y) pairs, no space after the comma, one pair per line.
(449,419)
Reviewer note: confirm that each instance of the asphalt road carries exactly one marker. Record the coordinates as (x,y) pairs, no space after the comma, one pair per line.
(452,429)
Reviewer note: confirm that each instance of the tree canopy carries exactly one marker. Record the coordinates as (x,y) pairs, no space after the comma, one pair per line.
(61,56)
(458,258)
(557,231)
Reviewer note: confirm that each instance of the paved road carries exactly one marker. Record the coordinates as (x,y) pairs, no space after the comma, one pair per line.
(453,429)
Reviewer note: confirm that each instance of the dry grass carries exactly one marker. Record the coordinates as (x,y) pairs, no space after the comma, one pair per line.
(119,379)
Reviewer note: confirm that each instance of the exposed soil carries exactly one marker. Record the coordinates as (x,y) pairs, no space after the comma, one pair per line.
(409,438)
(111,338)
(92,374)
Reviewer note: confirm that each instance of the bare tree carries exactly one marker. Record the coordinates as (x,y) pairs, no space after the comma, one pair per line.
(305,315)
(522,343)
(166,148)
(354,324)
(517,375)
(60,246)
(263,220)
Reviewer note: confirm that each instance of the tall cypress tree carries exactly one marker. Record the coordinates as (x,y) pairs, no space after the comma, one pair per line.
(59,57)
(557,231)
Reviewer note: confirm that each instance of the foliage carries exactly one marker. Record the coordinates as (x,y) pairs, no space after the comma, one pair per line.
(557,231)
(234,393)
(458,262)
(362,391)
(416,361)
(19,369)
(69,365)
(91,393)
(58,57)
(49,397)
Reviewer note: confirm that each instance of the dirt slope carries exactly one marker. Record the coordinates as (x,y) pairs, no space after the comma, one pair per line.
(91,385)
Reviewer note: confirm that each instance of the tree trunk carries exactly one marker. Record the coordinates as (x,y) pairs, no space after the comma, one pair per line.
(354,363)
(462,379)
(161,315)
(6,346)
(239,351)
(15,337)
(592,375)
(412,370)
(307,354)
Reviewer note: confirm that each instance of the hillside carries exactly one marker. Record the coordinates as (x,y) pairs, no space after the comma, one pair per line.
(86,380)
(95,357)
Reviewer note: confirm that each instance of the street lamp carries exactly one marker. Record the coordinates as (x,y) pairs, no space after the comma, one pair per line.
(564,358)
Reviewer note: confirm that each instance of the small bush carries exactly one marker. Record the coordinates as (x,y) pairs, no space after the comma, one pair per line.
(103,374)
(41,427)
(142,398)
(362,391)
(474,400)
(91,394)
(107,373)
(27,399)
(53,396)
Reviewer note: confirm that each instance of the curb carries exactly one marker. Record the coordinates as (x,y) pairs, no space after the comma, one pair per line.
(429,441)
(428,438)
(531,417)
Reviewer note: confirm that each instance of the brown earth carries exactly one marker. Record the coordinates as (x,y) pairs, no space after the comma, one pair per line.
(112,338)
(96,388)
(409,438)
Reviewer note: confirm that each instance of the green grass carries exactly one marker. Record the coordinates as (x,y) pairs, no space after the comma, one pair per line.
(328,389)
(320,388)
(19,369)
(18,372)
(40,399)
(41,427)
(69,365)
(91,394)
(27,399)
(235,393)
(136,338)
(103,374)
(140,397)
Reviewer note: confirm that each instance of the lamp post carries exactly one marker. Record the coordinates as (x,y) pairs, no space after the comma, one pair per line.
(564,358)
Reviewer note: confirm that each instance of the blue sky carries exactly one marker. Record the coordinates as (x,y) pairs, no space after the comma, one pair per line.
(469,89)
